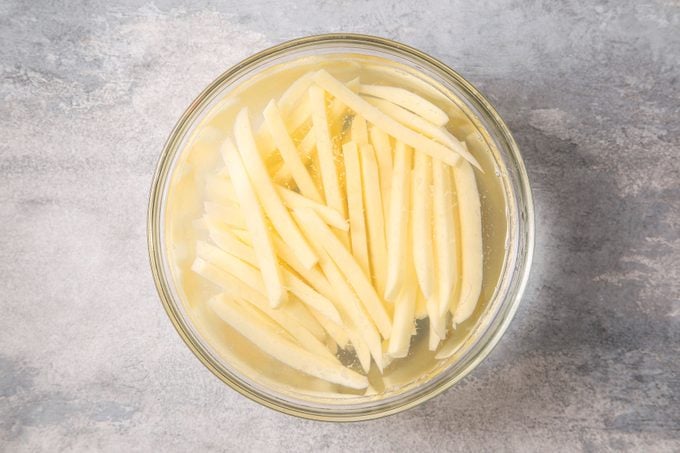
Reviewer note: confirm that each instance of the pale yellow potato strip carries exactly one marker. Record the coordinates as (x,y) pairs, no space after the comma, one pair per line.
(335,331)
(359,130)
(375,221)
(261,240)
(320,233)
(450,347)
(239,290)
(470,218)
(445,234)
(355,205)
(397,225)
(284,350)
(383,152)
(295,200)
(408,100)
(421,125)
(350,306)
(266,193)
(218,189)
(237,265)
(421,200)
(304,316)
(437,322)
(324,146)
(290,154)
(385,122)
(227,214)
(403,326)
(362,332)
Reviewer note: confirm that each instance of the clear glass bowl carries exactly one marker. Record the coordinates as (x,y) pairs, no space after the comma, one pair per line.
(519,237)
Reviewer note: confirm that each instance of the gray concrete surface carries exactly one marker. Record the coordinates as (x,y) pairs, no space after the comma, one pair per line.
(89,92)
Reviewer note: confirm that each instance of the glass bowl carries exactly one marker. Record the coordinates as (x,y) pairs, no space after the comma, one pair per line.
(518,238)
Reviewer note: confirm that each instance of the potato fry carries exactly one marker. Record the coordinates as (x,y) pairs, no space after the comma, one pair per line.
(289,152)
(238,265)
(294,200)
(285,351)
(445,234)
(239,290)
(421,202)
(359,130)
(329,172)
(421,125)
(320,233)
(472,258)
(403,326)
(373,203)
(383,152)
(266,193)
(408,100)
(397,225)
(387,123)
(264,251)
(355,205)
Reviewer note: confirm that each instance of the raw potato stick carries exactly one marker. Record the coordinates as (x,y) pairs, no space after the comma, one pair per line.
(264,251)
(359,130)
(289,152)
(320,233)
(445,233)
(408,100)
(373,203)
(284,350)
(471,241)
(239,290)
(329,172)
(397,225)
(421,200)
(423,126)
(264,188)
(237,266)
(387,123)
(294,200)
(383,153)
(355,205)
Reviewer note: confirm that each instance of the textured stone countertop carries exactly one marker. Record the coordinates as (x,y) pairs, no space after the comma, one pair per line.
(89,92)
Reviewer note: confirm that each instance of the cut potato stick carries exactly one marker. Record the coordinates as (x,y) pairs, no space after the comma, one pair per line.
(304,316)
(239,290)
(399,218)
(335,331)
(294,200)
(423,126)
(264,251)
(383,152)
(226,213)
(284,350)
(324,145)
(295,92)
(355,205)
(320,233)
(362,332)
(387,123)
(403,326)
(239,267)
(219,189)
(264,188)
(421,201)
(359,130)
(408,100)
(437,322)
(289,152)
(375,221)
(421,306)
(470,218)
(445,244)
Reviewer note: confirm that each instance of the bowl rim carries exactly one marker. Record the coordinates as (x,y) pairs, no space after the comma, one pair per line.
(156,199)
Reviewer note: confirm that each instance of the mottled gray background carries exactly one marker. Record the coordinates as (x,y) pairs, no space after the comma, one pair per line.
(89,92)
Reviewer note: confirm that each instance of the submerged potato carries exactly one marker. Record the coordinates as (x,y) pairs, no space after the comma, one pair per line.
(348,214)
